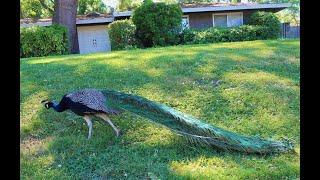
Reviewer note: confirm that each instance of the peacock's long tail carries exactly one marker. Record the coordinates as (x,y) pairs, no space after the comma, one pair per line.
(191,128)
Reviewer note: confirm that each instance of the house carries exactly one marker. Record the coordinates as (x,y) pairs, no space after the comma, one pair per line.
(93,34)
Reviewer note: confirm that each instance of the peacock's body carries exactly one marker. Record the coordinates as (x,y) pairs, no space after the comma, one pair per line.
(86,103)
(194,130)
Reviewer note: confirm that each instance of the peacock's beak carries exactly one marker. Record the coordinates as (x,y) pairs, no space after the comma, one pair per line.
(44,101)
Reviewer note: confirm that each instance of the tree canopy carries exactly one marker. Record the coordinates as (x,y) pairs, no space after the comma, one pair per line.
(86,6)
(37,9)
(125,5)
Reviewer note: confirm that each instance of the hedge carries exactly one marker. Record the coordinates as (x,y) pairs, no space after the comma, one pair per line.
(158,24)
(214,34)
(122,34)
(39,41)
(268,20)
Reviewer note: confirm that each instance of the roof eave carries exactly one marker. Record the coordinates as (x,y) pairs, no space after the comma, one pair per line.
(279,6)
(95,21)
(240,7)
(47,23)
(79,22)
(122,14)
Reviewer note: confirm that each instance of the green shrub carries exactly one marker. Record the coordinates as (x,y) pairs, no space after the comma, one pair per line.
(43,41)
(214,34)
(269,20)
(158,24)
(188,36)
(122,34)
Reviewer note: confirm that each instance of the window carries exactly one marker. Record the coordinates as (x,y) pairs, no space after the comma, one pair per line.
(227,19)
(185,22)
(235,19)
(220,20)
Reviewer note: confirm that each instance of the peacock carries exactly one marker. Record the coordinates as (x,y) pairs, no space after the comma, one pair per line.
(105,103)
(85,103)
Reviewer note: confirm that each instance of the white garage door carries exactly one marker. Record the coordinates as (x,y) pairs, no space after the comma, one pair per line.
(93,39)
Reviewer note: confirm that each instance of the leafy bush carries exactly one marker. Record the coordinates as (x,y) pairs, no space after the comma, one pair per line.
(122,34)
(267,19)
(214,34)
(43,41)
(158,24)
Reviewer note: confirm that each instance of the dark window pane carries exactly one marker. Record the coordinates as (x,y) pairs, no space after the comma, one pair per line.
(220,20)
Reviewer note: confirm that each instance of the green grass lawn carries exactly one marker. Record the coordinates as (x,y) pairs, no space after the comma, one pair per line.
(258,94)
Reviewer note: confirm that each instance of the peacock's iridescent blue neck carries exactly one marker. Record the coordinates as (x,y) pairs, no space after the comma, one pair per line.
(57,107)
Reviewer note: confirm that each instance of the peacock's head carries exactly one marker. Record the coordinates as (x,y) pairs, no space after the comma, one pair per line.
(47,104)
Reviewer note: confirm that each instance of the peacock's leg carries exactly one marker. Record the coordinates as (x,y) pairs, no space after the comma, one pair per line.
(89,123)
(107,119)
(118,132)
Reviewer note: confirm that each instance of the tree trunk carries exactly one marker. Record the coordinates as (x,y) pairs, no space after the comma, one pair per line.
(65,13)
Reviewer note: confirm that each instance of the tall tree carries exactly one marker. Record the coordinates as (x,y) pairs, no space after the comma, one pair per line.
(37,9)
(124,5)
(65,13)
(86,6)
(31,9)
(47,5)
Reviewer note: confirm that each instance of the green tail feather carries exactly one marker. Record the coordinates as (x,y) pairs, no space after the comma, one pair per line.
(191,128)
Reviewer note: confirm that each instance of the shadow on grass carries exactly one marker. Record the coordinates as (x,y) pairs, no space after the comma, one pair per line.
(105,156)
(169,77)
